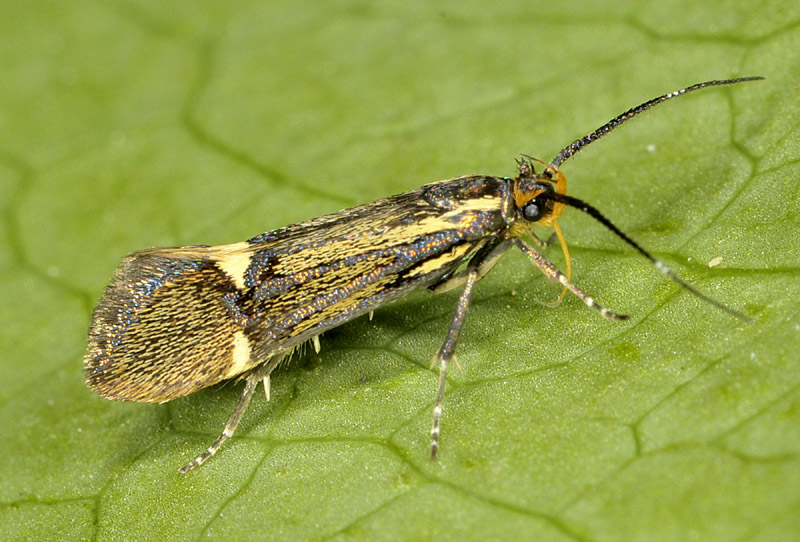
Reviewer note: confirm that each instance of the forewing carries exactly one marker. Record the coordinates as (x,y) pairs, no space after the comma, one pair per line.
(161,329)
(175,320)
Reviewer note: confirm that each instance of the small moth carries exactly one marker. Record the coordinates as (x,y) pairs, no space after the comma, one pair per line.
(176,320)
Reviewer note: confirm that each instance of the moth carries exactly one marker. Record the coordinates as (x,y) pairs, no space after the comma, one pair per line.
(176,320)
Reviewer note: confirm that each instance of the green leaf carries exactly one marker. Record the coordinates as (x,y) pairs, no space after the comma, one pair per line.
(132,124)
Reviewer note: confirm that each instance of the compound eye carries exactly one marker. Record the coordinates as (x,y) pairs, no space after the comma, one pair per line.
(532,211)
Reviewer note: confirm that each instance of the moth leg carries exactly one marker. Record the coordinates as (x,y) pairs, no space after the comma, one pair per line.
(551,272)
(230,427)
(447,350)
(483,261)
(260,374)
(543,244)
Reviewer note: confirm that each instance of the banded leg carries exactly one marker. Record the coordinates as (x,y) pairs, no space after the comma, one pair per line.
(551,272)
(543,244)
(261,374)
(446,352)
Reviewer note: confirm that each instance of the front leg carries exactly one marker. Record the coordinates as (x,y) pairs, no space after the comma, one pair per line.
(551,272)
(543,244)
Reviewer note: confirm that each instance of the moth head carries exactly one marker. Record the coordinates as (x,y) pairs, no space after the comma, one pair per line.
(533,191)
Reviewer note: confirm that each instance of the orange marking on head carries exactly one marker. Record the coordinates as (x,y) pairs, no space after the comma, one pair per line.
(549,175)
(521,197)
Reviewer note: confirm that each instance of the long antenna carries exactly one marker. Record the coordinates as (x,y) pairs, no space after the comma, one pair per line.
(661,266)
(578,144)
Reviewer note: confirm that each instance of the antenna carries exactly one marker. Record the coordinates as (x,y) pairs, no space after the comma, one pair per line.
(581,205)
(578,144)
(661,266)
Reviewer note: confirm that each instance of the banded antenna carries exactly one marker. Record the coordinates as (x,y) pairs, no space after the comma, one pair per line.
(592,211)
(578,144)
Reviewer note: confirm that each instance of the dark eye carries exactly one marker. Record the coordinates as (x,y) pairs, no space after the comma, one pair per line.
(532,211)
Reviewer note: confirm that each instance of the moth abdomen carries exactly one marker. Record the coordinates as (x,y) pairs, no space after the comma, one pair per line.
(162,330)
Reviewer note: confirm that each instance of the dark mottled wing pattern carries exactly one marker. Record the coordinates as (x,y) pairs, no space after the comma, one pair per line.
(162,307)
(175,320)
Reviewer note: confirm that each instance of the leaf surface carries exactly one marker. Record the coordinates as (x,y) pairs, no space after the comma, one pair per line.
(127,125)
